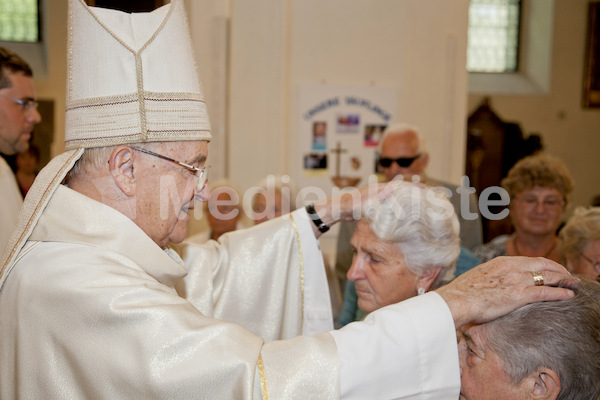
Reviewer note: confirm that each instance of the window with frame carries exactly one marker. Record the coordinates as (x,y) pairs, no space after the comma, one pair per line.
(19,20)
(493,41)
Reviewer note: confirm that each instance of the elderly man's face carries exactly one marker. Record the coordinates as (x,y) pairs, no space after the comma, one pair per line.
(16,121)
(405,145)
(482,374)
(378,270)
(166,190)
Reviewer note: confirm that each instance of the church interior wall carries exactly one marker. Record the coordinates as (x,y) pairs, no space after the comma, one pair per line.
(569,131)
(252,56)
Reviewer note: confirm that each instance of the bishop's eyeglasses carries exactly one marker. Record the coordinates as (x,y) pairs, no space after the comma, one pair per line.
(201,173)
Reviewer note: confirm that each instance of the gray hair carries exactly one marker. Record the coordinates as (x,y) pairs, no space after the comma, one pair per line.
(561,335)
(422,223)
(96,158)
(582,227)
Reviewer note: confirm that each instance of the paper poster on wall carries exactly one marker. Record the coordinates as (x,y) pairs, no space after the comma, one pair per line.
(319,136)
(338,133)
(373,135)
(348,123)
(313,161)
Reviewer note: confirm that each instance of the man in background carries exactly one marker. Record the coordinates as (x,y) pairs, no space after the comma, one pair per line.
(18,116)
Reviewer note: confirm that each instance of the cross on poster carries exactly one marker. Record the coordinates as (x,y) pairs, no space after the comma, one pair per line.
(338,133)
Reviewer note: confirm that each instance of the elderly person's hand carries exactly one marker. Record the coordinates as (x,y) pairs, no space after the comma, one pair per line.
(502,285)
(347,205)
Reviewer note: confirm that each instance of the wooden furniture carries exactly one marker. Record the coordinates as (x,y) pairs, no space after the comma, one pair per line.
(493,147)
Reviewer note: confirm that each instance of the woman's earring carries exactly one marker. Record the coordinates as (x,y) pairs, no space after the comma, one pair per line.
(420,291)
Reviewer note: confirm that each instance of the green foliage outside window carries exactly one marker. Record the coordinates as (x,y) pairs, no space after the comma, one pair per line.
(493,36)
(19,20)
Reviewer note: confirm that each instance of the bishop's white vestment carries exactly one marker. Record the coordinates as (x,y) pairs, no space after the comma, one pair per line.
(89,310)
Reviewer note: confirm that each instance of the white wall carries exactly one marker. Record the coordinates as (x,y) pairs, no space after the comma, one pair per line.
(274,45)
(252,54)
(415,46)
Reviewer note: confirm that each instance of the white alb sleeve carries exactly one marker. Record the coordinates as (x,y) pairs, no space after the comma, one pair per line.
(403,351)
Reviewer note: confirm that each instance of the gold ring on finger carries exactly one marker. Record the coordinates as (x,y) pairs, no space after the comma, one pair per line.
(538,278)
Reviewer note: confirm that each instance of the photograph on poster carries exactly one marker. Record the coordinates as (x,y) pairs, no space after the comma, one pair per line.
(373,135)
(319,136)
(315,161)
(339,129)
(377,168)
(348,123)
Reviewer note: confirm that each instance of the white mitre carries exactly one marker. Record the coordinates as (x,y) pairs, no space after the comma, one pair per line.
(131,78)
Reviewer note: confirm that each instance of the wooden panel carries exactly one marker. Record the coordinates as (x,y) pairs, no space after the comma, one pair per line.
(591,83)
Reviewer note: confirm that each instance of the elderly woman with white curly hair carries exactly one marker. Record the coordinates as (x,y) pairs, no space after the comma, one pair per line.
(579,246)
(403,246)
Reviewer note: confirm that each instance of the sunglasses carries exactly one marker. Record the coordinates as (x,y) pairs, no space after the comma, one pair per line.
(403,162)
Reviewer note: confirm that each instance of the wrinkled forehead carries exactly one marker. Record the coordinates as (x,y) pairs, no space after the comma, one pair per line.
(363,231)
(182,149)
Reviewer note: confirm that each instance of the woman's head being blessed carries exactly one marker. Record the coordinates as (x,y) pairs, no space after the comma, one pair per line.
(404,245)
(546,350)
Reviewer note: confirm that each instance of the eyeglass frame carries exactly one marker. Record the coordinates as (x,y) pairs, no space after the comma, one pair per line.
(594,263)
(400,161)
(201,173)
(529,202)
(28,104)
